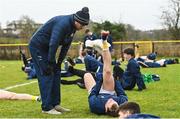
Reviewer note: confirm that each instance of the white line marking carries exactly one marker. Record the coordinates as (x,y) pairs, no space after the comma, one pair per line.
(19,85)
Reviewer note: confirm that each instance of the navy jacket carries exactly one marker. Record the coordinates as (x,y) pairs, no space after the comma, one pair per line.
(92,64)
(132,75)
(56,32)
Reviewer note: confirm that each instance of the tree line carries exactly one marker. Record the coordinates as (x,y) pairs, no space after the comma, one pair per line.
(25,27)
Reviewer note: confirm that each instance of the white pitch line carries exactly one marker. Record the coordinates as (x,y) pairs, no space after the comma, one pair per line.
(19,85)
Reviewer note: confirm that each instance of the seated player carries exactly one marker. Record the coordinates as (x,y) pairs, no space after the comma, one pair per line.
(28,66)
(132,75)
(88,36)
(132,110)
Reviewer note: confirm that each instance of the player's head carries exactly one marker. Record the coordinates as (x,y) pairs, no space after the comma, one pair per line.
(128,109)
(81,18)
(112,108)
(128,53)
(88,32)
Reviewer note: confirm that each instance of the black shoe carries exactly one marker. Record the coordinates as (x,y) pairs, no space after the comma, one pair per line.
(71,61)
(139,89)
(164,65)
(144,87)
(65,82)
(81,85)
(71,69)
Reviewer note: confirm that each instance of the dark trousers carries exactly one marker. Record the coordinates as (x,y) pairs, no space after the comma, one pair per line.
(79,73)
(118,75)
(49,85)
(117,72)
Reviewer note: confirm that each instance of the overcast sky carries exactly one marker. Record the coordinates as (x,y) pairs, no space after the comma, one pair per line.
(143,14)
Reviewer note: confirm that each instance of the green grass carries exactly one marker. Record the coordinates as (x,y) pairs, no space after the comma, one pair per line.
(161,98)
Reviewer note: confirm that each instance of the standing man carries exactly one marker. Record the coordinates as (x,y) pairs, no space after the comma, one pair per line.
(58,31)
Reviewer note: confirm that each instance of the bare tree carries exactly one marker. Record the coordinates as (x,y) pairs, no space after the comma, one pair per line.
(171,18)
(26,26)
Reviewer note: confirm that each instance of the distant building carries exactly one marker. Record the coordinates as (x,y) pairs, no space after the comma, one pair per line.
(15,27)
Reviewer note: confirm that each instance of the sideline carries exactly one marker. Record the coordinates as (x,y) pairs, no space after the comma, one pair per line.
(19,85)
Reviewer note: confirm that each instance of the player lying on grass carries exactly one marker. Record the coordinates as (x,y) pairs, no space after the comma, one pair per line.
(150,61)
(131,110)
(105,93)
(7,95)
(158,63)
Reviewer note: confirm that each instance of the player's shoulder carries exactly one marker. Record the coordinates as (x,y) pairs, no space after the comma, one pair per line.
(132,62)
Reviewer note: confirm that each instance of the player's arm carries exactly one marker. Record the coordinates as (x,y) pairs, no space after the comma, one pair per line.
(108,81)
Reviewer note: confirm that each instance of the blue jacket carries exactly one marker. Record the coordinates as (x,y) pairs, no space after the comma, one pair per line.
(92,64)
(56,32)
(132,76)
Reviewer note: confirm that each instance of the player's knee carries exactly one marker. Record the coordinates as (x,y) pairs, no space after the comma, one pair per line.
(87,76)
(107,71)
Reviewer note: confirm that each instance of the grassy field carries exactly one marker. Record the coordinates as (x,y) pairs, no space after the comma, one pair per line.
(161,98)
